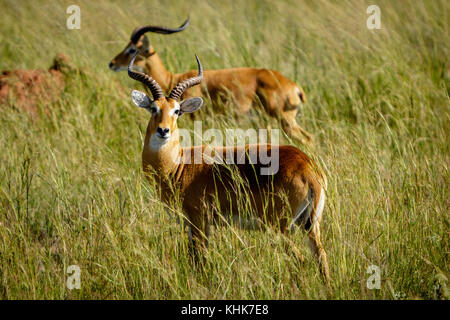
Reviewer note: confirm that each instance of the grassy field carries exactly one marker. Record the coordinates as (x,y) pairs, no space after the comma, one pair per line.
(72,191)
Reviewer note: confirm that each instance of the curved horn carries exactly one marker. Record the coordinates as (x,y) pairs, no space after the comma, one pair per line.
(154,87)
(178,90)
(138,32)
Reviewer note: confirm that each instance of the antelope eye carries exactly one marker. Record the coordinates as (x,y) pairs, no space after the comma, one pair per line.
(153,109)
(131,51)
(177,112)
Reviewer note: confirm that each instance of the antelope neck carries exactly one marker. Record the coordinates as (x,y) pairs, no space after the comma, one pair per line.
(166,160)
(155,68)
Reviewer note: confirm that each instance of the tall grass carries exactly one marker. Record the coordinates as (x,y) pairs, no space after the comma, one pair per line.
(72,190)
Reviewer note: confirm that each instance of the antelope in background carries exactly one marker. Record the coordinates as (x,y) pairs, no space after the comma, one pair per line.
(202,185)
(279,96)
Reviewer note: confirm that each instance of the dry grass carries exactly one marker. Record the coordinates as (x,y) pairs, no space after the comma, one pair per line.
(72,190)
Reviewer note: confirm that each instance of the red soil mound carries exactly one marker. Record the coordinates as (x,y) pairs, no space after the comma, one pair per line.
(25,89)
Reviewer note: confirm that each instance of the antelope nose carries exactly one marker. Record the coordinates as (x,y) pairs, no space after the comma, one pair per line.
(111,65)
(162,131)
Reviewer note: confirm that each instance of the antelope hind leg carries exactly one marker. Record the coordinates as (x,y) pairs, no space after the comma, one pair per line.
(316,247)
(292,128)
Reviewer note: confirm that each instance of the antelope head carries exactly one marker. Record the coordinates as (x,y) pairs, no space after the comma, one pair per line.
(162,130)
(139,43)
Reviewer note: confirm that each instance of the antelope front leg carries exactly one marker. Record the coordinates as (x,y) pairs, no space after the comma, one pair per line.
(198,240)
(291,247)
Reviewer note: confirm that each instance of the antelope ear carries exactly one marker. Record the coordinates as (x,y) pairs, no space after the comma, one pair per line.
(190,105)
(141,99)
(145,44)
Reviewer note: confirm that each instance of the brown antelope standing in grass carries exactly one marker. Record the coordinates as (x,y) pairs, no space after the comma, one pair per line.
(279,96)
(205,189)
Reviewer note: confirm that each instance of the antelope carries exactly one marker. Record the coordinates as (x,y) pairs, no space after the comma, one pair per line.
(201,186)
(279,96)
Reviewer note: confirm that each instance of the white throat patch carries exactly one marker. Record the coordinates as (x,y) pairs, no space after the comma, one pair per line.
(156,143)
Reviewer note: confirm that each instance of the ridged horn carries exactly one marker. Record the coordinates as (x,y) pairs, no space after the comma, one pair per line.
(154,87)
(139,31)
(179,89)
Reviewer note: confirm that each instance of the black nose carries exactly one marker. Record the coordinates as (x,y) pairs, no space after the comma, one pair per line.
(162,131)
(111,65)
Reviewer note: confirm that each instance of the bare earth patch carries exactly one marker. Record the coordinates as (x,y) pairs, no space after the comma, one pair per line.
(25,89)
